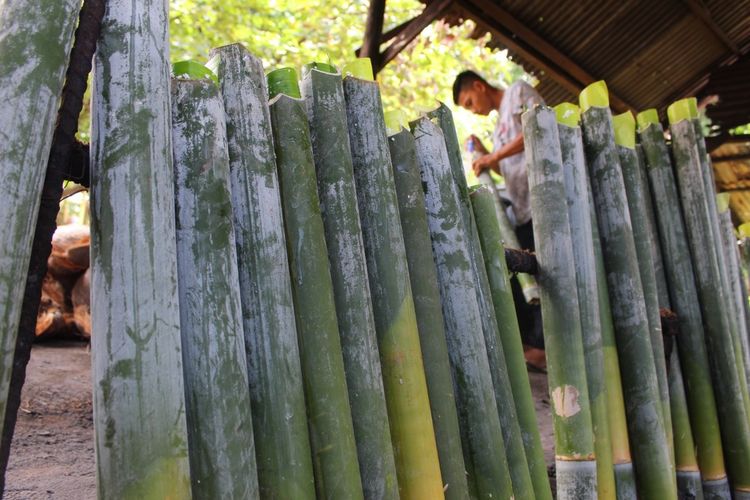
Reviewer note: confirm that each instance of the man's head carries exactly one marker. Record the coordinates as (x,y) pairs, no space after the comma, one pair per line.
(472,92)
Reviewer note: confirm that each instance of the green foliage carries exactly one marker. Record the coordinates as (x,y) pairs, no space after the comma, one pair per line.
(741,130)
(296,32)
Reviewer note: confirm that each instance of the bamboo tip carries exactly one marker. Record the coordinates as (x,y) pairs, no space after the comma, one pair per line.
(568,114)
(693,105)
(283,81)
(744,230)
(679,111)
(647,118)
(320,66)
(722,202)
(359,68)
(595,95)
(193,70)
(395,121)
(624,125)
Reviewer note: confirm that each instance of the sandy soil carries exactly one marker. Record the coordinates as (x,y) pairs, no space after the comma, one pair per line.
(52,455)
(53,450)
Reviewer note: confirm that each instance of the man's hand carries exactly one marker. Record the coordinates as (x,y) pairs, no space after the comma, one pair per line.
(484,162)
(478,146)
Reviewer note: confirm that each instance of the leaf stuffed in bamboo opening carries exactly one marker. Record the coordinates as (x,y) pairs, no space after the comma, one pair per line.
(329,418)
(417,464)
(220,428)
(648,438)
(684,298)
(424,285)
(571,412)
(326,111)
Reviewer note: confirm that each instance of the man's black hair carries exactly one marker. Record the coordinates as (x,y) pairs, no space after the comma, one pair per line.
(465,78)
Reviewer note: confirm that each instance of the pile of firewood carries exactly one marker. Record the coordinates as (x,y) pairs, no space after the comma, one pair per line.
(64,308)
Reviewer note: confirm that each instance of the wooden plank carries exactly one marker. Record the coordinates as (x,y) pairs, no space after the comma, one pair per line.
(528,44)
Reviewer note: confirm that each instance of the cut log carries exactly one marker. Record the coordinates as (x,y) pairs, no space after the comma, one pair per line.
(81,299)
(70,250)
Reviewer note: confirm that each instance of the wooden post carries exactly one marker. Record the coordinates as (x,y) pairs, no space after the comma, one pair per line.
(648,438)
(220,428)
(424,284)
(412,432)
(684,299)
(282,444)
(326,112)
(139,399)
(574,437)
(735,426)
(329,417)
(31,81)
(582,240)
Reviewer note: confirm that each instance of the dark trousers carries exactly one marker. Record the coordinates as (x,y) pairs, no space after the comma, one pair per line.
(529,316)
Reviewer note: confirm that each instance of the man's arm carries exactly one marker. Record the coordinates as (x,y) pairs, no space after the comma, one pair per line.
(492,160)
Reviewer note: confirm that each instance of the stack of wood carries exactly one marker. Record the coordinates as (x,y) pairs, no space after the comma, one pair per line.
(64,308)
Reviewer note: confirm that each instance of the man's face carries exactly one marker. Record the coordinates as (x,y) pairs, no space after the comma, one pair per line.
(475,97)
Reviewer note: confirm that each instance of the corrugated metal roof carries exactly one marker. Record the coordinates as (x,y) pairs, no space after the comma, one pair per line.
(649,52)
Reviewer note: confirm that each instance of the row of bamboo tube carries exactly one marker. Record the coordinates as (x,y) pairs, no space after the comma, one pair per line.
(627,224)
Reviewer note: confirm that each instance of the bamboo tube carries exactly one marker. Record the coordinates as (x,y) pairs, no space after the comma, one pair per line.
(136,352)
(734,292)
(735,426)
(329,419)
(574,439)
(220,428)
(576,185)
(424,284)
(648,439)
(282,443)
(30,97)
(537,468)
(510,240)
(684,299)
(326,112)
(686,461)
(430,150)
(417,464)
(483,203)
(636,194)
(618,427)
(463,324)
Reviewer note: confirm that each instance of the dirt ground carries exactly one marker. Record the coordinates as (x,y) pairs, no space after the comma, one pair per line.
(52,456)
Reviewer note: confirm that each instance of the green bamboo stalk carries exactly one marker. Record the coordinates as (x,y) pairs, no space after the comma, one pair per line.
(510,240)
(329,418)
(636,194)
(326,112)
(684,298)
(31,81)
(537,469)
(655,476)
(220,429)
(139,398)
(571,411)
(734,293)
(424,284)
(686,461)
(618,426)
(483,203)
(282,443)
(579,216)
(477,408)
(417,463)
(735,427)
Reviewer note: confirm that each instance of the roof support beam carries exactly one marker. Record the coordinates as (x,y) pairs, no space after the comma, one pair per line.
(521,39)
(699,9)
(373,31)
(390,34)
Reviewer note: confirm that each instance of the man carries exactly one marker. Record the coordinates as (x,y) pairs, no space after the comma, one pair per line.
(474,93)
